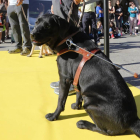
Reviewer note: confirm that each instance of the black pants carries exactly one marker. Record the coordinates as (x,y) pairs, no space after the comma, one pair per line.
(89,18)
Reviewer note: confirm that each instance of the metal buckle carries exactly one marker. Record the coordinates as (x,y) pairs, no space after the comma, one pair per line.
(69,43)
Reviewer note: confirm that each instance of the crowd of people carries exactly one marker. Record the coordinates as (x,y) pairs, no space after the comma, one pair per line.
(14,12)
(92,22)
(116,19)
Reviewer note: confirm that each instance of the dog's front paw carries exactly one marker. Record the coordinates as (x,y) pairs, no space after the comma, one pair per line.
(40,56)
(81,124)
(75,106)
(29,55)
(50,117)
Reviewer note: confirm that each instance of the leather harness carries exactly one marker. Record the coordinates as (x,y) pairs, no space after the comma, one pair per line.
(86,56)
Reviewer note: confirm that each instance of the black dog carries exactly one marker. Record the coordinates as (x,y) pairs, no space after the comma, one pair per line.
(107,98)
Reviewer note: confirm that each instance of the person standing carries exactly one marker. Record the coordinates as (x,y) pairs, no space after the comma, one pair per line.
(17,13)
(99,12)
(133,20)
(111,11)
(2,21)
(61,8)
(118,15)
(89,19)
(2,24)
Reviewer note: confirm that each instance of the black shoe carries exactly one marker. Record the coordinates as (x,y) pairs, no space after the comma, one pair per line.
(26,51)
(12,42)
(18,50)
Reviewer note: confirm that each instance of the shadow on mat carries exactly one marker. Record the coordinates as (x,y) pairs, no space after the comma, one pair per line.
(72,116)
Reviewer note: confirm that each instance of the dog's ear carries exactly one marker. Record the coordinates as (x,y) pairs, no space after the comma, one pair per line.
(63,25)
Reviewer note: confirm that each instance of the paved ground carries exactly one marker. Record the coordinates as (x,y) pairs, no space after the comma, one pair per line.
(124,51)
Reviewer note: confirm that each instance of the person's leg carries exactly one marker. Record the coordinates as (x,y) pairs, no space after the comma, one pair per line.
(102,20)
(94,28)
(131,24)
(13,18)
(111,33)
(3,37)
(135,24)
(7,27)
(0,37)
(22,14)
(117,24)
(85,23)
(121,20)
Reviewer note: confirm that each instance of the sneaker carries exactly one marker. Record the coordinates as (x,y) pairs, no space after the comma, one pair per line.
(18,50)
(12,42)
(112,36)
(71,91)
(54,85)
(26,51)
(99,43)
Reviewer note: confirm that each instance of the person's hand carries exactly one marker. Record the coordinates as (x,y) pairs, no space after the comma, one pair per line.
(118,17)
(52,9)
(19,2)
(77,1)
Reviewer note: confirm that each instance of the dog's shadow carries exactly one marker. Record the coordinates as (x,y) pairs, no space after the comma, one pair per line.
(137,99)
(72,116)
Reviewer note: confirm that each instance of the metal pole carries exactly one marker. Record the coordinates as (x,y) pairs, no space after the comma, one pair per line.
(106,28)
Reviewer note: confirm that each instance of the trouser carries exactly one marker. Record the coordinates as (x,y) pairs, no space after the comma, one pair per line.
(133,22)
(119,21)
(3,36)
(89,18)
(19,25)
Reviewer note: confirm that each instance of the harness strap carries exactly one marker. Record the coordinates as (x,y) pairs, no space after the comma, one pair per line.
(86,56)
(77,74)
(64,40)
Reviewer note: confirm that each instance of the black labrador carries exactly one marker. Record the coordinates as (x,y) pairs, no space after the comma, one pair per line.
(107,99)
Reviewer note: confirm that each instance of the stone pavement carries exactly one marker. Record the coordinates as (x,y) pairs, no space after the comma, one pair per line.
(124,51)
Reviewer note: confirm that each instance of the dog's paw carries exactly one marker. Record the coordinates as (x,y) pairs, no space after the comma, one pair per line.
(75,106)
(81,124)
(40,56)
(50,117)
(29,55)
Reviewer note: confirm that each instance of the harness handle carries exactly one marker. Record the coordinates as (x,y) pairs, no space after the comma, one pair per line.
(70,43)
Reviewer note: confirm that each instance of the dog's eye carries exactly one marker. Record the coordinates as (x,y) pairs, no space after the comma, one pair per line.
(36,22)
(46,26)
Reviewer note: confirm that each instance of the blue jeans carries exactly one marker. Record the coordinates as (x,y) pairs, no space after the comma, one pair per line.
(118,21)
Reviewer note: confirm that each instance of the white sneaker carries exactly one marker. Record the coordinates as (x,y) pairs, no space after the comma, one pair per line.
(71,90)
(54,85)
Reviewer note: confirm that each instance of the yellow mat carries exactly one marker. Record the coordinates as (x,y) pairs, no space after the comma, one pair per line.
(26,97)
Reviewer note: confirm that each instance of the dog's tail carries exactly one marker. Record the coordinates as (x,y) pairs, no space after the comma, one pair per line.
(135,127)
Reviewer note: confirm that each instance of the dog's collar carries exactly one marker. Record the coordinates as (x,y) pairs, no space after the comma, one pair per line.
(64,40)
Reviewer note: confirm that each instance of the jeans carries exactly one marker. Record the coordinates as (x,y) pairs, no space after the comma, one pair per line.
(133,22)
(118,21)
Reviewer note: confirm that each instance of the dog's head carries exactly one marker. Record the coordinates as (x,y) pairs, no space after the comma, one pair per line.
(48,29)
